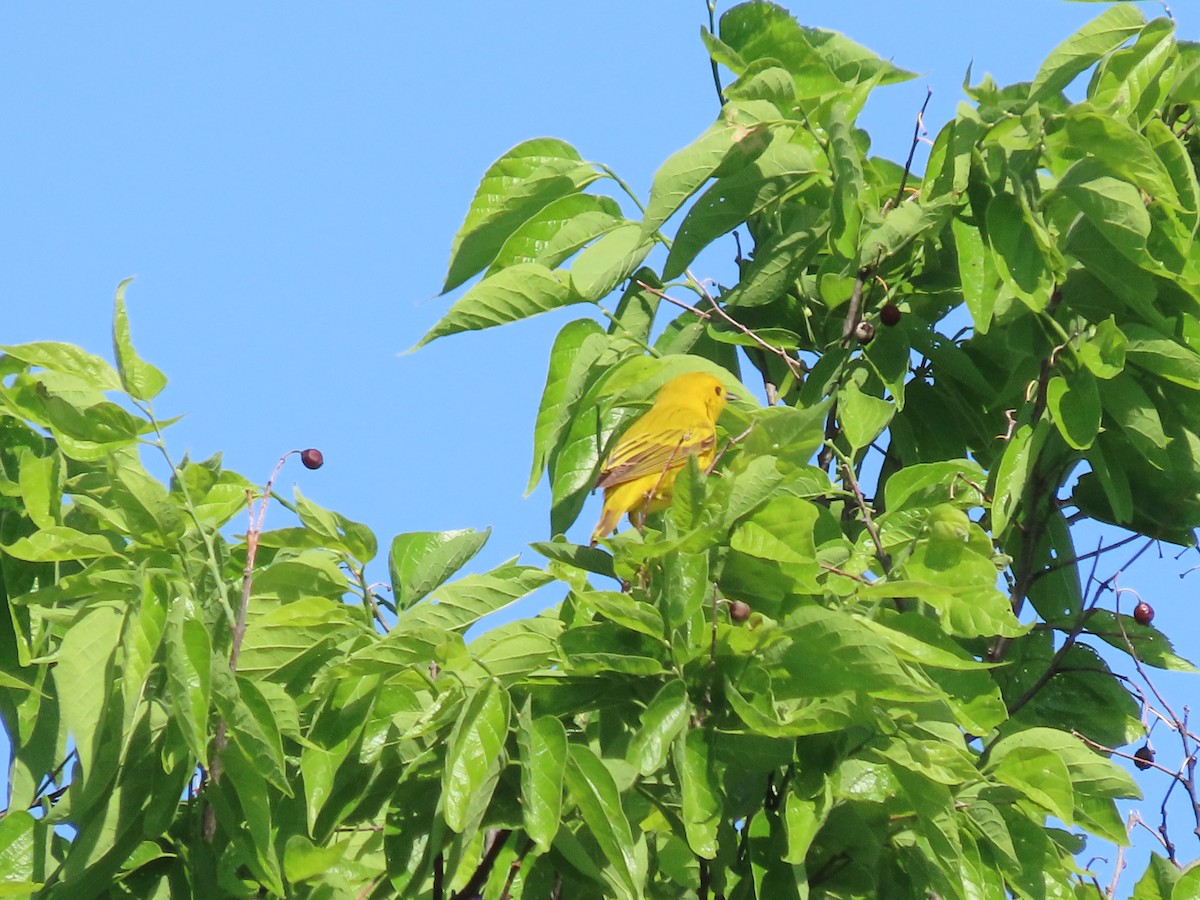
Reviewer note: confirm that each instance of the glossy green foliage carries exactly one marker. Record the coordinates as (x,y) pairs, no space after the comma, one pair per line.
(858,659)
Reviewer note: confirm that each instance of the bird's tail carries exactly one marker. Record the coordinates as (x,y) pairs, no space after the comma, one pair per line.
(607,524)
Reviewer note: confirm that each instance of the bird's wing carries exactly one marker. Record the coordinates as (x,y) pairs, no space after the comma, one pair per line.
(642,452)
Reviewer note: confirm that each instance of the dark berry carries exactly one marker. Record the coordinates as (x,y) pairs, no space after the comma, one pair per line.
(864,331)
(1143,757)
(1143,613)
(739,610)
(312,458)
(890,315)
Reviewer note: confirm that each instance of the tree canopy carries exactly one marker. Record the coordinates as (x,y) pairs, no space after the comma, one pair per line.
(866,655)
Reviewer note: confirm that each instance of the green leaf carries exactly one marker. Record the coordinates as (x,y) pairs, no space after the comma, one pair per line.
(1171,152)
(1114,207)
(1128,406)
(1158,881)
(922,485)
(1188,884)
(1114,482)
(558,231)
(737,137)
(458,605)
(845,214)
(903,225)
(625,611)
(140,379)
(1156,353)
(543,744)
(821,62)
(515,187)
(1016,465)
(40,479)
(590,559)
(1149,644)
(974,268)
(518,648)
(1132,83)
(700,790)
(1074,403)
(828,652)
(575,349)
(786,432)
(1037,773)
(606,647)
(1016,251)
(512,294)
(732,199)
(803,818)
(923,649)
(475,755)
(188,664)
(18,835)
(1089,774)
(594,791)
(91,370)
(83,679)
(1097,38)
(252,827)
(602,266)
(305,861)
(662,720)
(420,561)
(336,530)
(252,726)
(862,416)
(777,262)
(1122,151)
(154,516)
(1103,351)
(763,80)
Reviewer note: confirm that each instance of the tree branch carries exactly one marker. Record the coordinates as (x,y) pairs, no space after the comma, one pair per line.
(471,889)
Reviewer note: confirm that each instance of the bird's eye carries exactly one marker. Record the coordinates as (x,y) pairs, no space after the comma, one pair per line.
(718,390)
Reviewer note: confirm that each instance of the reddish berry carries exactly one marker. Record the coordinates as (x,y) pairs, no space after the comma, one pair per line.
(890,315)
(864,331)
(1143,613)
(1143,757)
(739,610)
(312,458)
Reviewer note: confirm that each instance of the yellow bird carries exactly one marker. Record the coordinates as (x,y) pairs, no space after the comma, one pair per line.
(640,471)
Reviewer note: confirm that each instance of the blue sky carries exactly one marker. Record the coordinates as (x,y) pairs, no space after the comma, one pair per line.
(285,180)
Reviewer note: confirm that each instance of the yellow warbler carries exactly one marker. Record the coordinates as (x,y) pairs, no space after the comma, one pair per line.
(682,421)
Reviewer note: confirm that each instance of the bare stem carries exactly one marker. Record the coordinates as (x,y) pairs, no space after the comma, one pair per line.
(796,366)
(918,130)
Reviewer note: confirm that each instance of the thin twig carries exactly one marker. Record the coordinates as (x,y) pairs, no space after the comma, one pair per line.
(712,29)
(885,558)
(1181,724)
(733,441)
(1096,745)
(825,457)
(253,531)
(1070,563)
(918,130)
(834,570)
(854,310)
(796,366)
(515,867)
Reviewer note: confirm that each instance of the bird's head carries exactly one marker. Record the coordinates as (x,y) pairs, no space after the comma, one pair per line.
(696,389)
